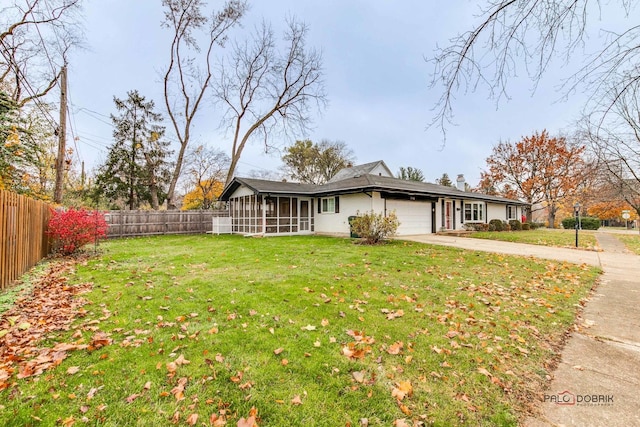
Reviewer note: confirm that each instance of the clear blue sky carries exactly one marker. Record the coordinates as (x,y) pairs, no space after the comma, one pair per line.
(376,80)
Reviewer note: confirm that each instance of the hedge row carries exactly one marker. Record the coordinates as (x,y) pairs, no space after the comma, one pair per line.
(587,223)
(499,225)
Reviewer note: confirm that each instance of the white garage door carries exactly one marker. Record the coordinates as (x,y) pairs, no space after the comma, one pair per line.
(414,217)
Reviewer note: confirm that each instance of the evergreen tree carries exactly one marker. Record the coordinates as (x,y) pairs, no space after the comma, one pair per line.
(136,170)
(19,151)
(445,180)
(410,174)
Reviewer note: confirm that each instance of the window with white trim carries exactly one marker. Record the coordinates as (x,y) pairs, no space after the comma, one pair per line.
(474,212)
(328,205)
(512,212)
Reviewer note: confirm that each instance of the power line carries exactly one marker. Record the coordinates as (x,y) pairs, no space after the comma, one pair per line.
(44,45)
(92,114)
(21,77)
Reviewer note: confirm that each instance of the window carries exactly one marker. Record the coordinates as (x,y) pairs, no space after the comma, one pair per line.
(329,205)
(512,212)
(474,212)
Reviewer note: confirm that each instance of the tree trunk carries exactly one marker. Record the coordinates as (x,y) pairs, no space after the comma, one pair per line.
(171,205)
(153,189)
(551,217)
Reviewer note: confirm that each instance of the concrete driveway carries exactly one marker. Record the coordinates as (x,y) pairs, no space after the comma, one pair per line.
(597,382)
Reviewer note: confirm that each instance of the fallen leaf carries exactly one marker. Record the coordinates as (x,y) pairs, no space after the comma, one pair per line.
(402,390)
(395,348)
(395,314)
(178,390)
(133,397)
(217,420)
(404,408)
(359,376)
(278,351)
(69,421)
(181,361)
(249,422)
(308,328)
(73,370)
(483,371)
(192,419)
(296,400)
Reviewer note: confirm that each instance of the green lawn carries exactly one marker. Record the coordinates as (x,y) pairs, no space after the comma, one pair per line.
(544,237)
(308,331)
(632,241)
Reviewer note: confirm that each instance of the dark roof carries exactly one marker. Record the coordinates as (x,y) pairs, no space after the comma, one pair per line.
(265,186)
(358,184)
(359,170)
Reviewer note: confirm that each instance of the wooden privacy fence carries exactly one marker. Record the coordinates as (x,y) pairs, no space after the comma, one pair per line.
(148,223)
(23,242)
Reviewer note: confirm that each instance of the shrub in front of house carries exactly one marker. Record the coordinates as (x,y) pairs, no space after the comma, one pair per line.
(515,225)
(71,229)
(587,223)
(526,226)
(477,226)
(373,228)
(496,225)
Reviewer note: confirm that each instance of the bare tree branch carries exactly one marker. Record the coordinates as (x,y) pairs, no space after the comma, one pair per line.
(35,36)
(530,33)
(186,82)
(266,91)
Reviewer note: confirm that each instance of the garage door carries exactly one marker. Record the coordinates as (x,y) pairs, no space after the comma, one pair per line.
(414,217)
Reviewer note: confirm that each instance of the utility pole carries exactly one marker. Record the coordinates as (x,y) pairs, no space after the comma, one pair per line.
(62,136)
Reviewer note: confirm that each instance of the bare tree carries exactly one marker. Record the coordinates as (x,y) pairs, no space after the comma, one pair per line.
(267,91)
(207,169)
(616,143)
(35,36)
(190,71)
(266,174)
(534,31)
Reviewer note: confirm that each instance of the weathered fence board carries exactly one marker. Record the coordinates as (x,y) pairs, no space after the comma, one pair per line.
(148,223)
(23,239)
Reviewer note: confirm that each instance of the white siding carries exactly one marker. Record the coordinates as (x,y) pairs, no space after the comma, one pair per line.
(241,191)
(338,223)
(414,216)
(496,211)
(380,170)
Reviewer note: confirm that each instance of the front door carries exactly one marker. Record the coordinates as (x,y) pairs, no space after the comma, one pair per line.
(305,216)
(448,215)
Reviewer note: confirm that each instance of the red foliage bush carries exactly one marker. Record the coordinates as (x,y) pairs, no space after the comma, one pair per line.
(74,228)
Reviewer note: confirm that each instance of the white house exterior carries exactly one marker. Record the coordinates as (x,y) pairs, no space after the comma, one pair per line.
(283,208)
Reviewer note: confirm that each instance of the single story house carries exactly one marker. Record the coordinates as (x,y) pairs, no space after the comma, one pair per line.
(278,207)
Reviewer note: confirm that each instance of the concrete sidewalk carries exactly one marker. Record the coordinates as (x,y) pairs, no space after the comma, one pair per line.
(597,382)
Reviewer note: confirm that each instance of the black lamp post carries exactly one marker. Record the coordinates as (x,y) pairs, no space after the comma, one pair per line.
(576,210)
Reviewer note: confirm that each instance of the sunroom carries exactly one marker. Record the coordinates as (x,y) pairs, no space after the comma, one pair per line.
(275,214)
